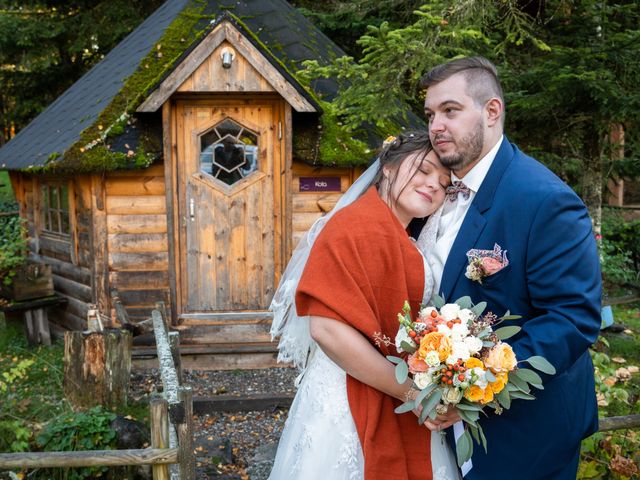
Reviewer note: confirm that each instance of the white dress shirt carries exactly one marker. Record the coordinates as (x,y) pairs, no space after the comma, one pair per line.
(453,213)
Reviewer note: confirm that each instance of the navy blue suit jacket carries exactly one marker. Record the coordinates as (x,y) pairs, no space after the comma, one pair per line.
(553,281)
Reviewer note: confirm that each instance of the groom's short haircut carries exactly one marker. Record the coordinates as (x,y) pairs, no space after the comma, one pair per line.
(480,74)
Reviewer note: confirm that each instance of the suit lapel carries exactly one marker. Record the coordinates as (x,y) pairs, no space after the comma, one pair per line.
(474,221)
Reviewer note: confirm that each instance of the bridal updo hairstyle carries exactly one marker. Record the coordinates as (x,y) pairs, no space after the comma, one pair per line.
(394,152)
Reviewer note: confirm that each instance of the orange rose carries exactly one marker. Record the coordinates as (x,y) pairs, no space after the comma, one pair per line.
(416,364)
(499,384)
(501,358)
(435,341)
(474,362)
(474,393)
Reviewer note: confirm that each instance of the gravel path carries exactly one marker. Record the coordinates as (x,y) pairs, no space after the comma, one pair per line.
(231,445)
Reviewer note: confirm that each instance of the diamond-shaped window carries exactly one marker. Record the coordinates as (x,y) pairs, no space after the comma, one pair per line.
(229,152)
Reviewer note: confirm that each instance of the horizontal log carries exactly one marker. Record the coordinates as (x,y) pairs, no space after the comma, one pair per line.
(68,270)
(301,222)
(619,423)
(136,224)
(224,334)
(139,280)
(70,321)
(246,403)
(136,205)
(139,261)
(314,202)
(76,307)
(215,361)
(71,288)
(143,185)
(91,458)
(140,297)
(138,242)
(157,169)
(54,245)
(223,318)
(621,300)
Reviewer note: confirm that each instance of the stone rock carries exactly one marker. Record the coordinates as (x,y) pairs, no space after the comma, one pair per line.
(261,462)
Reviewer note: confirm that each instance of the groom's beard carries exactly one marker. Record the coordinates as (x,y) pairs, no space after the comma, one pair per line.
(469,149)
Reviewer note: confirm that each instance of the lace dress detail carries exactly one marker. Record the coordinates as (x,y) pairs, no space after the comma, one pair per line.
(320,440)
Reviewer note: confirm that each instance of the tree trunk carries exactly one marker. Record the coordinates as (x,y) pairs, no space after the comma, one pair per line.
(592,183)
(97,368)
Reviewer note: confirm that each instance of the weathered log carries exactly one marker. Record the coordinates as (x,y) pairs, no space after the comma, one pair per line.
(159,419)
(186,457)
(107,458)
(619,423)
(97,368)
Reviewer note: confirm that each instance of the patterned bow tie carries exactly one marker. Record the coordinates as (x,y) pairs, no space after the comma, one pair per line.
(455,188)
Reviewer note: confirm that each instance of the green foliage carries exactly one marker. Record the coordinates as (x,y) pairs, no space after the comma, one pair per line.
(78,431)
(620,248)
(46,45)
(13,246)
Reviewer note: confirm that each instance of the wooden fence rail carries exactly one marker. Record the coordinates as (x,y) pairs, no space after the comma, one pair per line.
(170,418)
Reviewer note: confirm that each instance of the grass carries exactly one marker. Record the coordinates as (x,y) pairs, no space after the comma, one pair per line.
(6,192)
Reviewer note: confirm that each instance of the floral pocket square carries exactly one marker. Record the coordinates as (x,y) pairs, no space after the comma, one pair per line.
(484,263)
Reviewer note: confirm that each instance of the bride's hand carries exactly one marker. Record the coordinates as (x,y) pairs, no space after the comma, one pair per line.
(442,421)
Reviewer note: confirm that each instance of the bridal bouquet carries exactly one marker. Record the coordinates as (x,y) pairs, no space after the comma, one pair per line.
(457,357)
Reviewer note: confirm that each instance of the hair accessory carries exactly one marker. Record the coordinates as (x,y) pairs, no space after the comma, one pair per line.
(389,140)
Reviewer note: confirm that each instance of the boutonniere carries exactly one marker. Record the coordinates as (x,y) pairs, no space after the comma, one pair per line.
(484,263)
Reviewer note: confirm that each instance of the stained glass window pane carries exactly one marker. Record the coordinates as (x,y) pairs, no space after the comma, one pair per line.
(229,152)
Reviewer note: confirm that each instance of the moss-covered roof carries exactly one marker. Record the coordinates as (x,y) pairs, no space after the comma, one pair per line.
(93,125)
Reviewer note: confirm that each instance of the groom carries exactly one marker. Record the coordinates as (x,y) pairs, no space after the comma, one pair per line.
(541,262)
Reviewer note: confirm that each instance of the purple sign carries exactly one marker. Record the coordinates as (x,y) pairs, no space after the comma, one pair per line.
(319,184)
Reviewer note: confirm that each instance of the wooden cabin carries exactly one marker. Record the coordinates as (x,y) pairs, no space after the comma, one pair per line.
(184,167)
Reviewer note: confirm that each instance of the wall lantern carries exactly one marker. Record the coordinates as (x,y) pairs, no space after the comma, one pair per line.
(227,56)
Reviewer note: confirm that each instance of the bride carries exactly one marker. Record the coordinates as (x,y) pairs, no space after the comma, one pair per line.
(336,314)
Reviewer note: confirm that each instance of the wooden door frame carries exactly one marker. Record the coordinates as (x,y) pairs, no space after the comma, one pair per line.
(282,178)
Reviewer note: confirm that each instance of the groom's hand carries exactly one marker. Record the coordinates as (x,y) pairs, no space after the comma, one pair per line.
(442,421)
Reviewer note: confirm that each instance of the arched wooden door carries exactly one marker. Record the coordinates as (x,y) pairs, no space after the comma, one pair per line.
(229,208)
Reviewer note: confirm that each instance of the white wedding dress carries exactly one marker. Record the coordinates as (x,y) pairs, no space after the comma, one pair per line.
(320,441)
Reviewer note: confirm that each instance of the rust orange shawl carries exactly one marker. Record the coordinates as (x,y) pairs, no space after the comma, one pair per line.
(360,271)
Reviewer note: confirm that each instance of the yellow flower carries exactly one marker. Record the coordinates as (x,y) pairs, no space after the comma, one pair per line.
(499,384)
(435,341)
(474,362)
(487,395)
(474,393)
(501,358)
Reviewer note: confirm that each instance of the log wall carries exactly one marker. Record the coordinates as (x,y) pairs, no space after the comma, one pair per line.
(136,238)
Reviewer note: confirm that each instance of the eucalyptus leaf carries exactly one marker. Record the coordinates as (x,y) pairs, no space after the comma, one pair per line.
(507,332)
(469,406)
(504,398)
(402,372)
(425,393)
(474,432)
(430,403)
(464,302)
(528,376)
(407,347)
(405,407)
(395,360)
(487,344)
(489,376)
(479,308)
(522,396)
(542,364)
(464,448)
(438,301)
(518,382)
(469,416)
(483,438)
(511,317)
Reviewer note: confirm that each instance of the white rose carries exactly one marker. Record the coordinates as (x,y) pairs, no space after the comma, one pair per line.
(442,328)
(466,315)
(459,350)
(426,312)
(474,344)
(432,358)
(459,331)
(452,396)
(478,377)
(403,336)
(450,311)
(422,380)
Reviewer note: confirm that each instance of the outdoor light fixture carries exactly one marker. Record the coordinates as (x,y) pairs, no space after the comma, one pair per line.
(227,57)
